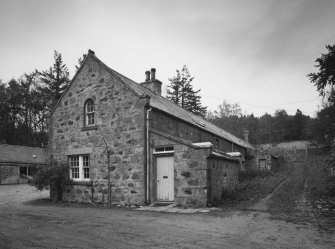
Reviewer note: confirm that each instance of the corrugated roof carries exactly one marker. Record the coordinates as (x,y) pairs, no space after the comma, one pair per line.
(22,154)
(167,106)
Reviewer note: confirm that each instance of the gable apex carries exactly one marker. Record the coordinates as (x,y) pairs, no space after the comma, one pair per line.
(90,53)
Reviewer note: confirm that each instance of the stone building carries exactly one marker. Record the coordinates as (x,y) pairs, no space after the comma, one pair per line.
(18,162)
(261,160)
(159,152)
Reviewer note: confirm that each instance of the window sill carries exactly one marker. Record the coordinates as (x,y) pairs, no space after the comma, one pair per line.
(83,183)
(88,128)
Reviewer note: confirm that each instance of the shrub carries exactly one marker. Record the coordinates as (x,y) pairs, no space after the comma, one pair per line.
(55,173)
(41,178)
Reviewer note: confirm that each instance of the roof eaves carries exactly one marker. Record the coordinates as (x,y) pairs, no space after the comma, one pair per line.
(117,75)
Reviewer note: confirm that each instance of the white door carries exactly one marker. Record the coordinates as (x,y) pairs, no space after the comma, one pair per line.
(165,178)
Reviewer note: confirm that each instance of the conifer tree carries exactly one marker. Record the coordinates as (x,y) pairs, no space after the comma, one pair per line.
(180,91)
(55,79)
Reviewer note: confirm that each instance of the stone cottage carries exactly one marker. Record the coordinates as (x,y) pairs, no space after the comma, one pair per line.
(18,162)
(158,152)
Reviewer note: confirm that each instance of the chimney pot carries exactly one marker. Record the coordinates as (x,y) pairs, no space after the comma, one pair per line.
(155,86)
(147,76)
(153,74)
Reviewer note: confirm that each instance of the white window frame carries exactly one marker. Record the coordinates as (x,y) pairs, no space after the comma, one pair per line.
(89,112)
(83,163)
(164,150)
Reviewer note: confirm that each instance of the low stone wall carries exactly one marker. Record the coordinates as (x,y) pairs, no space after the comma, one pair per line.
(10,172)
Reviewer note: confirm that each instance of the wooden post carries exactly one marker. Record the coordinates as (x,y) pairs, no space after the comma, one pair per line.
(109,180)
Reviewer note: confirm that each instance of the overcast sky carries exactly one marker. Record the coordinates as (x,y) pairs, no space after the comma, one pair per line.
(256,53)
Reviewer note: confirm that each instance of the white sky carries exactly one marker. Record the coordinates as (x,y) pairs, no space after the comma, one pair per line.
(257,53)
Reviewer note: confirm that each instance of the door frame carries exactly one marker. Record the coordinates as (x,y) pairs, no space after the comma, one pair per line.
(155,156)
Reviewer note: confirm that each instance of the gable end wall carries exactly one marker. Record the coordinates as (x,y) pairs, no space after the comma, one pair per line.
(119,118)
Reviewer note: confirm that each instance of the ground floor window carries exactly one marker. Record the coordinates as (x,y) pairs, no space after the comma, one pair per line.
(79,167)
(25,171)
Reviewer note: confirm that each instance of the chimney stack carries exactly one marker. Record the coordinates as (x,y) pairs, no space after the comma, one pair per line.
(153,74)
(152,84)
(147,76)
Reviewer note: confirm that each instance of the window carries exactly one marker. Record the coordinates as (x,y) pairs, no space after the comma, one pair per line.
(79,167)
(25,171)
(166,149)
(89,112)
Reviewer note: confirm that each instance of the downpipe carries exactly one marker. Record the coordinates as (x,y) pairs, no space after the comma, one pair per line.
(147,156)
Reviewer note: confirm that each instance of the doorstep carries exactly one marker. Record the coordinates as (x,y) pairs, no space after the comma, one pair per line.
(172,208)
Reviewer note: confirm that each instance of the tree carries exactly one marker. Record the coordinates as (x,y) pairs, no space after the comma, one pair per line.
(297,126)
(181,92)
(56,79)
(324,79)
(22,112)
(322,128)
(228,117)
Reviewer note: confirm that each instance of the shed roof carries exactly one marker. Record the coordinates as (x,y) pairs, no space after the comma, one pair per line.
(23,154)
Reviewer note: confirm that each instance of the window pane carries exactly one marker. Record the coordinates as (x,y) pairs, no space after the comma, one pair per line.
(86,173)
(86,161)
(90,119)
(89,112)
(74,166)
(89,106)
(86,167)
(75,173)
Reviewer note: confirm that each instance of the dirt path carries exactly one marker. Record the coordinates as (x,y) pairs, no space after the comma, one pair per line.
(263,205)
(42,224)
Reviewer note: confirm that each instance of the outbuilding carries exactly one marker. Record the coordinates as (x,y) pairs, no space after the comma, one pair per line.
(18,162)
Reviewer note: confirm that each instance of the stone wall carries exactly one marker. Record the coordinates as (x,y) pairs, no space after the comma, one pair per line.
(222,179)
(255,157)
(9,174)
(119,119)
(190,171)
(191,176)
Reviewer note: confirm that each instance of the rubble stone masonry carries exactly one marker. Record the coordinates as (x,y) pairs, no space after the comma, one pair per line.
(119,119)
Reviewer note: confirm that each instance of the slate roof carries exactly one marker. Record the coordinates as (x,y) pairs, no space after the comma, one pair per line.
(166,106)
(22,154)
(169,107)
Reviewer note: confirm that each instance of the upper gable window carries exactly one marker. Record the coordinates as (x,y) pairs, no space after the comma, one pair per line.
(89,112)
